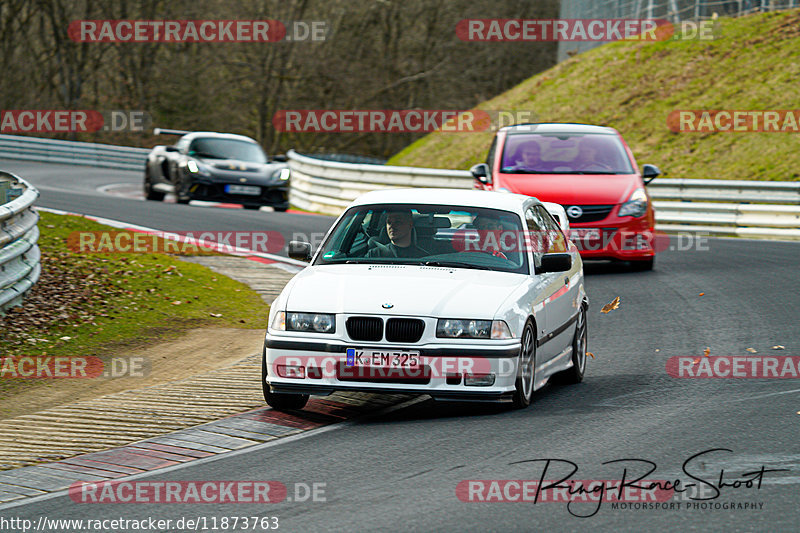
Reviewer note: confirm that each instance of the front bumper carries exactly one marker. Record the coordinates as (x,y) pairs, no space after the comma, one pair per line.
(621,238)
(273,195)
(441,373)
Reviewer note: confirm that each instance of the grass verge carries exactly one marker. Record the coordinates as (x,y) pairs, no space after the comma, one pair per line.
(752,64)
(101,304)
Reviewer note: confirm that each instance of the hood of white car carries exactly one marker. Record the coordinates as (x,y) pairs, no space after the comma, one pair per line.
(410,290)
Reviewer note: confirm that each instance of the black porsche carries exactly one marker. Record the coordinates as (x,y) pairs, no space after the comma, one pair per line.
(217,167)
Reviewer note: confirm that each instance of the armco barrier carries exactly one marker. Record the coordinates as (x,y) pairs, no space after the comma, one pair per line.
(72,152)
(328,186)
(19,254)
(759,209)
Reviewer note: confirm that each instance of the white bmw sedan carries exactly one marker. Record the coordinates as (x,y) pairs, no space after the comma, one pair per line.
(459,294)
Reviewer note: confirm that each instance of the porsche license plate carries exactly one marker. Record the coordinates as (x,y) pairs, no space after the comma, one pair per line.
(369,357)
(250,190)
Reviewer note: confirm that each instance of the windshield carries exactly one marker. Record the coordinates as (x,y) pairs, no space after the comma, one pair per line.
(564,153)
(434,235)
(212,148)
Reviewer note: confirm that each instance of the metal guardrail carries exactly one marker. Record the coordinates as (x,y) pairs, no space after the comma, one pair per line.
(19,254)
(760,209)
(72,152)
(329,186)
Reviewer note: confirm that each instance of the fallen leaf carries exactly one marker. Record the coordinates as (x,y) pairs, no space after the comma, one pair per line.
(177,302)
(65,338)
(590,354)
(695,361)
(658,349)
(778,347)
(752,350)
(215,315)
(701,294)
(706,352)
(609,307)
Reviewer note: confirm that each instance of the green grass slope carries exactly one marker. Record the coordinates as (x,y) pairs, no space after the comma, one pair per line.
(752,64)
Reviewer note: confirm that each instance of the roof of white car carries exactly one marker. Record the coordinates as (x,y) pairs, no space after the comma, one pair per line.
(557,127)
(459,197)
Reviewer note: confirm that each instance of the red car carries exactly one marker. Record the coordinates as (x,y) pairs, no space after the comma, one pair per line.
(591,172)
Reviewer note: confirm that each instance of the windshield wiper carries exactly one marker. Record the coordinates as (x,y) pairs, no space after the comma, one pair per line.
(525,171)
(590,172)
(207,155)
(454,264)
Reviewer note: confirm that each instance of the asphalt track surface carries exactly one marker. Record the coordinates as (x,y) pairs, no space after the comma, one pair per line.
(398,470)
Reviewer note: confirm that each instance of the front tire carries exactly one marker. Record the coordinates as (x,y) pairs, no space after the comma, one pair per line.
(182,195)
(278,401)
(526,369)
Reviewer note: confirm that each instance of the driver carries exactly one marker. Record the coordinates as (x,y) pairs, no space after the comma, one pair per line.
(529,156)
(399,227)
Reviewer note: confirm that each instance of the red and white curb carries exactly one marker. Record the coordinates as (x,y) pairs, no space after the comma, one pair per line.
(231,435)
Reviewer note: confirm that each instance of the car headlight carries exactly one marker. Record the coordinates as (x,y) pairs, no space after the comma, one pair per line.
(636,206)
(282,175)
(194,168)
(314,322)
(455,328)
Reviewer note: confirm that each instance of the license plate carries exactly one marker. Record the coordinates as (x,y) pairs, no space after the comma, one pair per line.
(250,190)
(368,358)
(584,234)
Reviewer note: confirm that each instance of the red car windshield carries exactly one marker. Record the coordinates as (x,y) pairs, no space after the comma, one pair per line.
(564,153)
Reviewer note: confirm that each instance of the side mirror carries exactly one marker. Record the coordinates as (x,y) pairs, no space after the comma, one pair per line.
(171,149)
(555,263)
(649,173)
(300,250)
(481,173)
(281,158)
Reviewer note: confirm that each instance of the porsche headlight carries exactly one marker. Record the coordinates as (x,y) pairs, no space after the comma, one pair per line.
(313,322)
(455,328)
(636,206)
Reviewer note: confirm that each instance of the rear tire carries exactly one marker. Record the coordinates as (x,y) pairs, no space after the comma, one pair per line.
(252,207)
(149,193)
(575,374)
(281,209)
(279,401)
(526,369)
